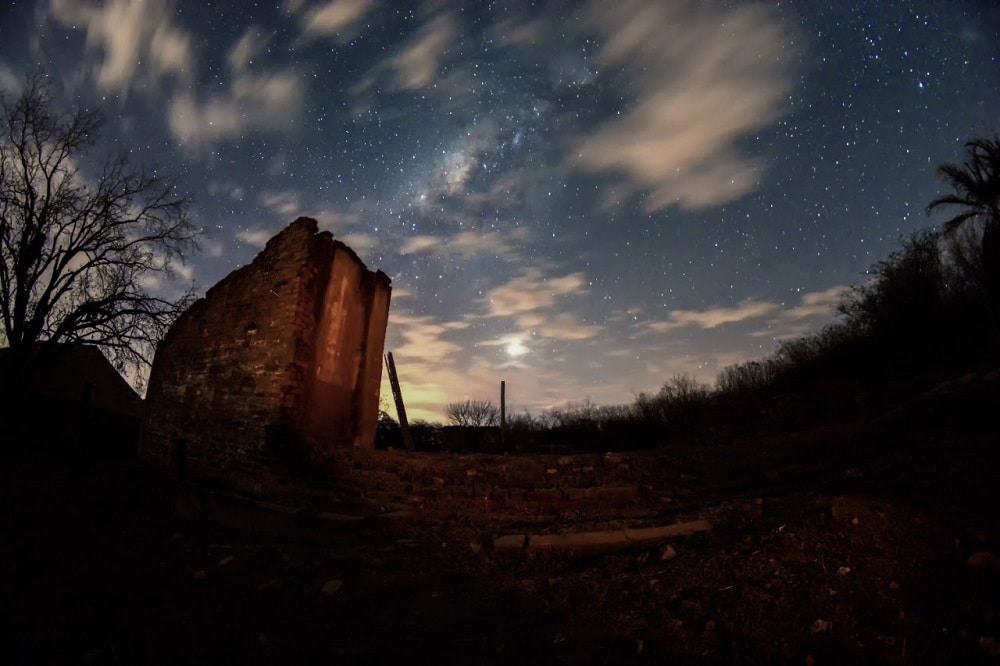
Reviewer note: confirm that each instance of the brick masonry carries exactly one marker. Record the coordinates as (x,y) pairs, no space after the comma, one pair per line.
(275,369)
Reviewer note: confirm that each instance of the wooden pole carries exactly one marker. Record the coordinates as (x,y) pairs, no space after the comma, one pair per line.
(503,413)
(397,394)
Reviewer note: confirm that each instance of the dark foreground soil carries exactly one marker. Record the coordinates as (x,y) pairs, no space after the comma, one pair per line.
(850,550)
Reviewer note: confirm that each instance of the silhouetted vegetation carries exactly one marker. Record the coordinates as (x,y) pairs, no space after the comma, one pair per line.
(476,413)
(923,314)
(81,241)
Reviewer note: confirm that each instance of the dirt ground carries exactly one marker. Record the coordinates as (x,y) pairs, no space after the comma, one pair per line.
(884,556)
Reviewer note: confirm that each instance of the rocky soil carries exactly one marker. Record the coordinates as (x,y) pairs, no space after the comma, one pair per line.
(872,543)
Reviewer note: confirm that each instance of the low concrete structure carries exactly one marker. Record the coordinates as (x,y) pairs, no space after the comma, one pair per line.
(278,365)
(70,402)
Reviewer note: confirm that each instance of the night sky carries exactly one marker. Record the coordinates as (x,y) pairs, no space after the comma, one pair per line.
(583,198)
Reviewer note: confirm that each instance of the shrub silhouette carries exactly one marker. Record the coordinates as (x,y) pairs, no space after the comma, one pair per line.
(926,312)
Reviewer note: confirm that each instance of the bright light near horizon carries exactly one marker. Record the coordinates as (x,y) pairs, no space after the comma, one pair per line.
(516,348)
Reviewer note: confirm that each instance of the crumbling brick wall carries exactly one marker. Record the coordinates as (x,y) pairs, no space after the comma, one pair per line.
(279,363)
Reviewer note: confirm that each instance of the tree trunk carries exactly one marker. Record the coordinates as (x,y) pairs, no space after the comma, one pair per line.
(991,262)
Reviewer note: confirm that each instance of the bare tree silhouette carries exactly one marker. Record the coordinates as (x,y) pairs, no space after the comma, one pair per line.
(77,245)
(473,413)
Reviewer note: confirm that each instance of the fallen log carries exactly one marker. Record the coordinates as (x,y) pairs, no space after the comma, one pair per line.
(597,542)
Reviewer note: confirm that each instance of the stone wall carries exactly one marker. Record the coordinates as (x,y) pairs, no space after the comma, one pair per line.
(279,364)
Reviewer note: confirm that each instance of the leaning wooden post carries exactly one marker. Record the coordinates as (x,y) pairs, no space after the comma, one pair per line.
(397,394)
(503,413)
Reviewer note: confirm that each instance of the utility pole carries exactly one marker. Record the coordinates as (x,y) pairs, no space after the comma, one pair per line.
(503,414)
(397,394)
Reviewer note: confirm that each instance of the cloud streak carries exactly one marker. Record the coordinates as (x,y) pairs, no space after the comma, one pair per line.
(268,102)
(532,290)
(466,244)
(337,18)
(713,317)
(417,64)
(133,38)
(700,79)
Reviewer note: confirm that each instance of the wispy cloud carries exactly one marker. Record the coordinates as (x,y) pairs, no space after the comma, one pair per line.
(428,361)
(813,309)
(464,243)
(418,62)
(420,244)
(256,236)
(131,39)
(268,102)
(713,317)
(532,290)
(10,81)
(247,48)
(817,303)
(700,78)
(563,326)
(360,242)
(337,18)
(285,204)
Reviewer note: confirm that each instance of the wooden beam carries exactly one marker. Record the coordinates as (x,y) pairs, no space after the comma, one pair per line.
(397,394)
(503,414)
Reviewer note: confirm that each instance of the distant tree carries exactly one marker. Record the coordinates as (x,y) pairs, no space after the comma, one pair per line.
(975,194)
(905,294)
(77,245)
(472,413)
(674,401)
(744,377)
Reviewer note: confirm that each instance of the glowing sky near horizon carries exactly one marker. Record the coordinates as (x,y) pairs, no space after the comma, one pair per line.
(581,198)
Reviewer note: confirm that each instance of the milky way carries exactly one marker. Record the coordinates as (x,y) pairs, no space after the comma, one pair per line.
(583,199)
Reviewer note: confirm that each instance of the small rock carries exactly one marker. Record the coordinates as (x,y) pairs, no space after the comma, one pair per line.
(332,586)
(759,501)
(820,626)
(990,645)
(471,472)
(226,560)
(894,586)
(551,470)
(855,521)
(273,584)
(843,571)
(709,630)
(668,553)
(982,561)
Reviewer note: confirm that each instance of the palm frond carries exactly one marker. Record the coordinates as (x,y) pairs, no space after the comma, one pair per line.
(951,200)
(952,225)
(959,177)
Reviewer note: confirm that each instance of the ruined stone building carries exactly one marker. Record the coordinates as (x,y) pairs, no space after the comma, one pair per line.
(279,363)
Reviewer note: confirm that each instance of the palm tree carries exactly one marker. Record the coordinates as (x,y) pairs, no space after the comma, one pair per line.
(975,192)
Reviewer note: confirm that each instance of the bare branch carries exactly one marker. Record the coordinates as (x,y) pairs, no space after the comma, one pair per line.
(73,250)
